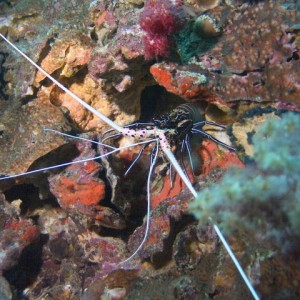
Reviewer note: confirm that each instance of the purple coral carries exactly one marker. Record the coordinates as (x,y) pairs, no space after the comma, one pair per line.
(160,20)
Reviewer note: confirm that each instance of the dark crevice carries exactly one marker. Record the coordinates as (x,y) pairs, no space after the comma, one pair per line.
(252,2)
(156,100)
(29,195)
(161,259)
(217,71)
(149,99)
(29,265)
(106,202)
(7,2)
(295,56)
(28,98)
(93,33)
(259,83)
(3,83)
(46,50)
(80,75)
(35,187)
(60,155)
(246,72)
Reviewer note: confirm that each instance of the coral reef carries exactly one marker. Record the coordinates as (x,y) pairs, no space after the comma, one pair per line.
(64,232)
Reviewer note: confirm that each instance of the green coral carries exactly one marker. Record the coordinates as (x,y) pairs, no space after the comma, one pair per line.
(193,39)
(265,197)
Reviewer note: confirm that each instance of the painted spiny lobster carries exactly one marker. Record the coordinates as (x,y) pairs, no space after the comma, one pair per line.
(164,132)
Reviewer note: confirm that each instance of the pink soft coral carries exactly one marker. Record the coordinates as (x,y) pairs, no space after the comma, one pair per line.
(160,20)
(155,46)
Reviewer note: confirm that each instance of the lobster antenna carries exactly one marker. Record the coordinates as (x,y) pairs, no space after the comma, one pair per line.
(76,98)
(189,151)
(148,207)
(136,159)
(236,262)
(174,162)
(209,136)
(201,123)
(78,138)
(180,172)
(77,161)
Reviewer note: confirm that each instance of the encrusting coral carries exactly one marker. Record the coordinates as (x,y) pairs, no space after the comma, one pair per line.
(262,198)
(253,56)
(79,191)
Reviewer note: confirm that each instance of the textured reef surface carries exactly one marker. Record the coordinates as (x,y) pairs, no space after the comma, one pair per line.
(64,231)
